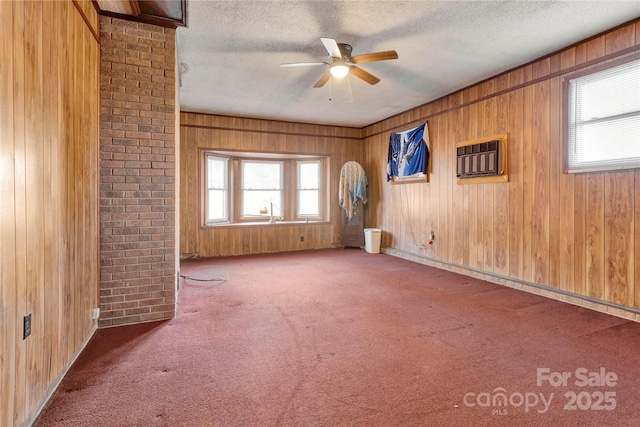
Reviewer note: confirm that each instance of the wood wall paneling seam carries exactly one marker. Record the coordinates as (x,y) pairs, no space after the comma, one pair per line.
(268,132)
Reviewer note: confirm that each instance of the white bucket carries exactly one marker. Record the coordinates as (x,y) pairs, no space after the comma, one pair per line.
(372,237)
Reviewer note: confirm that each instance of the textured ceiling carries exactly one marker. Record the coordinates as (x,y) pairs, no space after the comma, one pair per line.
(231,51)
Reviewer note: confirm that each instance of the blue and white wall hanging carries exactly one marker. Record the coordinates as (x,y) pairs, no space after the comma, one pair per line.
(408,156)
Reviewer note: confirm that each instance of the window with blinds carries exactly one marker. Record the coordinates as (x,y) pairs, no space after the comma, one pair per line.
(603,119)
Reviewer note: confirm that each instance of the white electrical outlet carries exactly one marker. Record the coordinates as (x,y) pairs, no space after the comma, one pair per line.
(95,314)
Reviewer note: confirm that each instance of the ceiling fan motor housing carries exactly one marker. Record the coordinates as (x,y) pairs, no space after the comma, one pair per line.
(345,50)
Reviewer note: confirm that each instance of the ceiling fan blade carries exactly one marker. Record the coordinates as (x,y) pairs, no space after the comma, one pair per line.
(323,79)
(367,77)
(332,47)
(302,64)
(378,56)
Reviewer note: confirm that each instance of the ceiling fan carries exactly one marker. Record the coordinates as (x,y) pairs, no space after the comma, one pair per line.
(342,63)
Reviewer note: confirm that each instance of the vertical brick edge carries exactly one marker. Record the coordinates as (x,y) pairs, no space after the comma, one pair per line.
(137,172)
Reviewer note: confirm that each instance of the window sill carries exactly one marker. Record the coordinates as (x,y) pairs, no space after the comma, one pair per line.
(263,224)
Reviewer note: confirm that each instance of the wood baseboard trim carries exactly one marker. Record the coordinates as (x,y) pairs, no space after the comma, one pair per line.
(628,313)
(53,387)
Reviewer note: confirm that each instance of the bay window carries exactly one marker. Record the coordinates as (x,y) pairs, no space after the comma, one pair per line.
(244,188)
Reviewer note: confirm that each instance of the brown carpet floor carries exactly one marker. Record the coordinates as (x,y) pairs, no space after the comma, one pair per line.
(347,338)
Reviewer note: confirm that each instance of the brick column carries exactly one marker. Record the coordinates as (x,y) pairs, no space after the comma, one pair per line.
(137,172)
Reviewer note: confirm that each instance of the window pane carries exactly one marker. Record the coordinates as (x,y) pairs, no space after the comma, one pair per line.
(216,207)
(261,175)
(609,93)
(261,183)
(253,201)
(216,203)
(308,203)
(216,172)
(602,141)
(308,188)
(308,177)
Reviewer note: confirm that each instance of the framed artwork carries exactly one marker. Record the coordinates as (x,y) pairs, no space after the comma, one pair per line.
(408,155)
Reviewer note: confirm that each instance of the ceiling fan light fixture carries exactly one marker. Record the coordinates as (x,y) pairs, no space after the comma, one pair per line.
(339,71)
(342,64)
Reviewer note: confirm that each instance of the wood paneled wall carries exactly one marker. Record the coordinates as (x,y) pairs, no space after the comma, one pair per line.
(49,59)
(200,131)
(576,233)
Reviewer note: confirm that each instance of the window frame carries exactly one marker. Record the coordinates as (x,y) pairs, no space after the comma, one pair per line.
(205,195)
(298,215)
(566,114)
(289,184)
(240,192)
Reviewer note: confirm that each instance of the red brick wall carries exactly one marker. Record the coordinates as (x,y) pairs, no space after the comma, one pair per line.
(137,172)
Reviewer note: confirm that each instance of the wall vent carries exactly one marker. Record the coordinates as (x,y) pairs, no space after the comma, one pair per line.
(479,159)
(482,160)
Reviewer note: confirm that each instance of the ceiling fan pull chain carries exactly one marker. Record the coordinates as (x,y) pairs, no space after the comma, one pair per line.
(348,95)
(330,87)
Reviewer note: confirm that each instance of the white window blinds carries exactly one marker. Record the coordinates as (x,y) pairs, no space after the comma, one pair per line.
(604,119)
